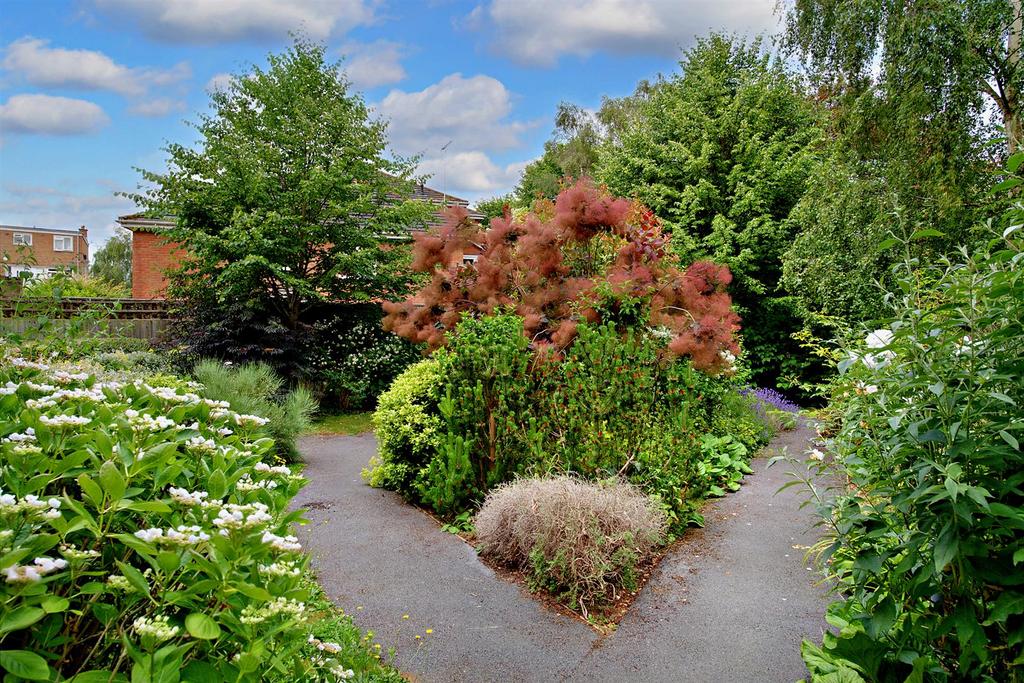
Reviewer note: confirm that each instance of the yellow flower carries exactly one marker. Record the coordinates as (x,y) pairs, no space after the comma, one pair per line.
(418,637)
(405,616)
(430,630)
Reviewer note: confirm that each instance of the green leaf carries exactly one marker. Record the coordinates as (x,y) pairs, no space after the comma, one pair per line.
(945,548)
(929,232)
(254,592)
(112,480)
(52,604)
(1002,397)
(217,485)
(198,671)
(98,676)
(1009,438)
(147,506)
(1007,184)
(134,577)
(201,626)
(21,617)
(1013,163)
(91,489)
(25,664)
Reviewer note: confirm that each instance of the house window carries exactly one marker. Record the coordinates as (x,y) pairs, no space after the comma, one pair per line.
(22,239)
(63,244)
(469,259)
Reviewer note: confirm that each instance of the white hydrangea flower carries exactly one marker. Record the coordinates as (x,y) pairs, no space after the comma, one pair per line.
(264,468)
(250,420)
(280,569)
(40,404)
(62,421)
(246,483)
(120,582)
(235,516)
(75,554)
(202,445)
(63,377)
(28,435)
(188,498)
(29,365)
(34,572)
(158,628)
(282,544)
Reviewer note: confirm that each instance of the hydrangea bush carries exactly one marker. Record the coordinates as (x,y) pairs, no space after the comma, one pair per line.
(143,535)
(923,538)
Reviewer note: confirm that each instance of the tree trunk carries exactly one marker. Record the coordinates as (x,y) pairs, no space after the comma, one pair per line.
(1011,113)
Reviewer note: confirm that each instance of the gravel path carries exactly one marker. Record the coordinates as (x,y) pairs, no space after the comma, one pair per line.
(731,603)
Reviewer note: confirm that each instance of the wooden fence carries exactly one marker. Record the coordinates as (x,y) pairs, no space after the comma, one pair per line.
(138,318)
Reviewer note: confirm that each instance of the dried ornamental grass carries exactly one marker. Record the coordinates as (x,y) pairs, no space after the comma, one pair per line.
(580,539)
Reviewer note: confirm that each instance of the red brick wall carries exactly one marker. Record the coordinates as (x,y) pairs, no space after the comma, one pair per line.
(151,258)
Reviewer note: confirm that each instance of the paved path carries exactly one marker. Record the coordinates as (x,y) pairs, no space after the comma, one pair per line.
(731,603)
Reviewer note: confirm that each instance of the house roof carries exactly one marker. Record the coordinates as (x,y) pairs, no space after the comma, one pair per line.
(50,231)
(139,222)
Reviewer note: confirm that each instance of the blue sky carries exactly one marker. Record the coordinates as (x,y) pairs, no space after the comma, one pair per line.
(91,89)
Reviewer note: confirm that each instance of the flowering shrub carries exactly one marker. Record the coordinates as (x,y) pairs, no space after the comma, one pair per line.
(142,534)
(352,362)
(925,546)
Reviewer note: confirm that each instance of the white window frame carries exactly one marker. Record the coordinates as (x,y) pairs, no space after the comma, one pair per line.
(25,237)
(469,259)
(59,239)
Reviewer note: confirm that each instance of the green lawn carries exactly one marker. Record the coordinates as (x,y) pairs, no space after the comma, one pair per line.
(346,423)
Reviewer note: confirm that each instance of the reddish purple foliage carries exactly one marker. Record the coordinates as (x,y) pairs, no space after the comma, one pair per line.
(546,268)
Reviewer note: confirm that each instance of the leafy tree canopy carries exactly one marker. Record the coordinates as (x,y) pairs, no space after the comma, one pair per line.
(946,59)
(284,200)
(113,261)
(913,92)
(722,153)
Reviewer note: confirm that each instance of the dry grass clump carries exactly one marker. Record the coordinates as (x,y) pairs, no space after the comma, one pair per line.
(580,540)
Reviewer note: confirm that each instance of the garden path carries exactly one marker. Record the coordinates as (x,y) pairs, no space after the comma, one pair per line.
(730,603)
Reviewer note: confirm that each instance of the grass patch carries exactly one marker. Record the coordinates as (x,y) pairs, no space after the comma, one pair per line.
(346,423)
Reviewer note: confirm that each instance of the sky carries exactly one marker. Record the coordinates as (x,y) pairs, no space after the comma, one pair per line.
(92,90)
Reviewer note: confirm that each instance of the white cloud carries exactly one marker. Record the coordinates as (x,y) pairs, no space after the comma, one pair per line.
(216,21)
(468,173)
(369,65)
(157,106)
(49,115)
(470,112)
(218,82)
(538,32)
(34,61)
(53,207)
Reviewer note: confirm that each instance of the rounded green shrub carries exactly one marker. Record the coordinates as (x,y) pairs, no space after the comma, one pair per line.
(408,427)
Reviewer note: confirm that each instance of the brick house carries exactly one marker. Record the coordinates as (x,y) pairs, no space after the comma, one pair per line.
(41,252)
(153,255)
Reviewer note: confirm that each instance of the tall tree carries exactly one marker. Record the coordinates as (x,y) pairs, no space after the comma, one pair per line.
(915,91)
(573,152)
(283,202)
(113,261)
(721,153)
(942,59)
